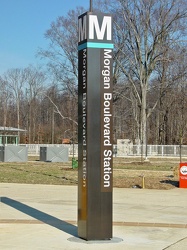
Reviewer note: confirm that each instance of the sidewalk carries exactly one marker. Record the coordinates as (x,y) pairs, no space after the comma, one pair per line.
(42,217)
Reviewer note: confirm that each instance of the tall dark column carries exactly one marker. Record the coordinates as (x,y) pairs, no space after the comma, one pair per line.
(95,127)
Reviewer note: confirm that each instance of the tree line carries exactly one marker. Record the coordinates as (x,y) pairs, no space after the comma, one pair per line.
(150,77)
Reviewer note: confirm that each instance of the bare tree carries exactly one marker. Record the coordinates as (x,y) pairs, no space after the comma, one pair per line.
(146,32)
(63,108)
(34,84)
(15,79)
(4,100)
(62,52)
(150,75)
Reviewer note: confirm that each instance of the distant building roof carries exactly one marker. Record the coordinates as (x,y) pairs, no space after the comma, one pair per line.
(11,129)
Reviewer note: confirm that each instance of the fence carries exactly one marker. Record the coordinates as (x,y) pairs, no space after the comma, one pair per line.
(159,150)
(34,149)
(132,150)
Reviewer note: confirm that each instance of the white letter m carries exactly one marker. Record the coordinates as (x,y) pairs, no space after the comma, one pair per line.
(106,25)
(82,29)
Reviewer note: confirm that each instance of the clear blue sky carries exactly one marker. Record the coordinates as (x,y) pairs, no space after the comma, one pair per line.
(22,27)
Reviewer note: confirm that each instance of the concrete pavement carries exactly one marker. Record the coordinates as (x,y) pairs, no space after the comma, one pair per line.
(43,217)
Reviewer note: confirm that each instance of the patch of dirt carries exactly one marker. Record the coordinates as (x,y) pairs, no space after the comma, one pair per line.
(158,173)
(123,178)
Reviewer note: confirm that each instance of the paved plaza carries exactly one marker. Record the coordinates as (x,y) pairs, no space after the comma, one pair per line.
(43,217)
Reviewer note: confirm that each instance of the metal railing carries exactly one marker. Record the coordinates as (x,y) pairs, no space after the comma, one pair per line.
(34,149)
(154,150)
(131,150)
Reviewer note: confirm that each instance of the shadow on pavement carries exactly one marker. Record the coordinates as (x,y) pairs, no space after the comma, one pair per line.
(41,216)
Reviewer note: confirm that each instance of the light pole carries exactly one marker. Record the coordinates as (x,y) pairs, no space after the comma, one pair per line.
(91,6)
(65,132)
